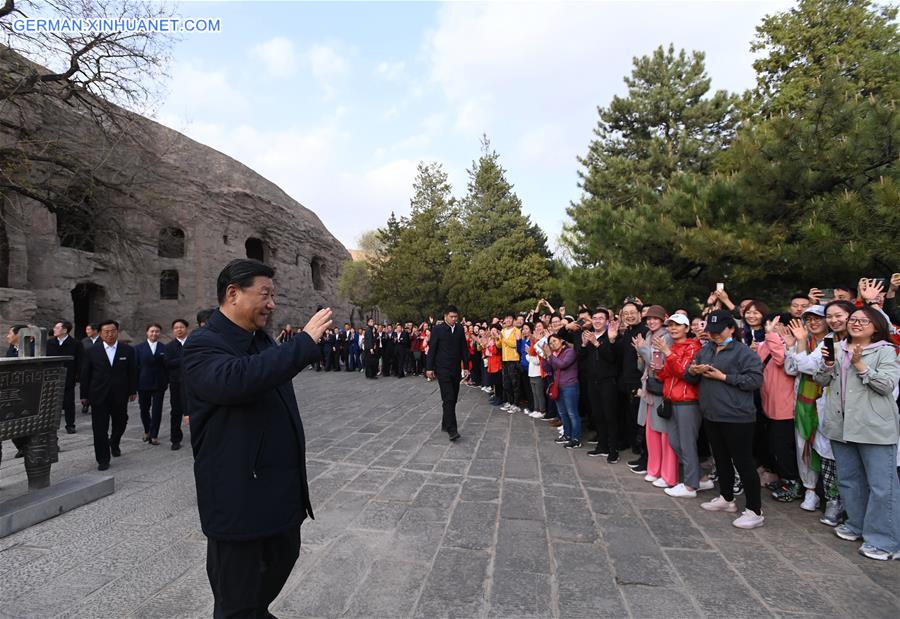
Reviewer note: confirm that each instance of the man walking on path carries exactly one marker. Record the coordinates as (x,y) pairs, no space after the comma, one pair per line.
(248,440)
(447,354)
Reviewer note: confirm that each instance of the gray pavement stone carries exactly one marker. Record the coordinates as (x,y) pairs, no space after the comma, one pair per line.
(504,523)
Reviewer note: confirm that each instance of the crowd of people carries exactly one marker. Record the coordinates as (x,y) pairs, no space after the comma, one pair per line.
(801,404)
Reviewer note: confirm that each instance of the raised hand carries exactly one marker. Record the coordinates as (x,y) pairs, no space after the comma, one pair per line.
(869,289)
(316,326)
(638,341)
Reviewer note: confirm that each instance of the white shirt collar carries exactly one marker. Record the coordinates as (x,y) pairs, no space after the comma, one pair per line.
(62,339)
(108,347)
(182,341)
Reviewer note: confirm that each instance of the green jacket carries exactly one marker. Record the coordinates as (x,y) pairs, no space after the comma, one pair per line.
(867,412)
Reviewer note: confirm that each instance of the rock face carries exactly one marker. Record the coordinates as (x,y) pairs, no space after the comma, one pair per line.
(179,213)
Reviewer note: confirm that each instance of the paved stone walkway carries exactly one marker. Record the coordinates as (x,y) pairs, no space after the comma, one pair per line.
(503,523)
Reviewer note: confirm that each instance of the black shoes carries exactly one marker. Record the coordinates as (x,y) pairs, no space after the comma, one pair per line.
(573,444)
(612,458)
(454,435)
(176,446)
(103,466)
(597,452)
(638,466)
(70,429)
(116,452)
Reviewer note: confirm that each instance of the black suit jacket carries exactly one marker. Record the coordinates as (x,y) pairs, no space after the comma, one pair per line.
(101,381)
(69,348)
(246,433)
(152,374)
(174,351)
(447,351)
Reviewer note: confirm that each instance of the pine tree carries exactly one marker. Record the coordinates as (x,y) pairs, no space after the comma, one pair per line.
(408,281)
(668,125)
(498,260)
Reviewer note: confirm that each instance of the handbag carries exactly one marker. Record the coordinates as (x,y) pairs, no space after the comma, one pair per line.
(553,388)
(654,385)
(664,410)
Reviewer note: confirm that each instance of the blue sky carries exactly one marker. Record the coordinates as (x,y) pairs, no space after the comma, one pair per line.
(337,102)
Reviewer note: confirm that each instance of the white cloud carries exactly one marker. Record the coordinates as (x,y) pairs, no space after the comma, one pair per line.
(328,67)
(197,93)
(278,56)
(391,71)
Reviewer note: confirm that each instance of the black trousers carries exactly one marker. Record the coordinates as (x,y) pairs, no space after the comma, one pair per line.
(400,354)
(371,363)
(151,404)
(733,443)
(603,401)
(69,406)
(449,394)
(102,413)
(478,370)
(783,447)
(387,360)
(247,576)
(511,381)
(176,403)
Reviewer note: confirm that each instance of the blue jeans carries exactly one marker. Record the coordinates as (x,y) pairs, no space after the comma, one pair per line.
(867,481)
(567,404)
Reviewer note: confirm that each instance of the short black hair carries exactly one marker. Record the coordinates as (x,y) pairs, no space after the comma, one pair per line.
(451,309)
(17,328)
(241,273)
(94,326)
(600,310)
(182,321)
(152,324)
(847,287)
(204,315)
(65,325)
(800,295)
(107,322)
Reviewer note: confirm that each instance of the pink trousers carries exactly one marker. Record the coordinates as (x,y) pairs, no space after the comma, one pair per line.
(661,458)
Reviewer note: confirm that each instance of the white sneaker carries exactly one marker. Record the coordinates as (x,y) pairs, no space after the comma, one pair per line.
(505,407)
(810,501)
(649,477)
(536,415)
(660,483)
(681,491)
(526,411)
(515,409)
(706,484)
(749,520)
(719,504)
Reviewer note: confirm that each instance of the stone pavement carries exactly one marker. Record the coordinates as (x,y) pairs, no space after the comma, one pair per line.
(503,523)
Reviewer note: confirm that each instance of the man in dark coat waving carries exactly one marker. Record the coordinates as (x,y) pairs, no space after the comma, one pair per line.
(248,441)
(447,355)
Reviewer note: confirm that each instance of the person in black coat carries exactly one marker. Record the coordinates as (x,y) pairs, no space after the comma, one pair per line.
(447,355)
(598,370)
(401,350)
(371,348)
(174,351)
(248,441)
(12,338)
(62,345)
(108,383)
(152,382)
(387,349)
(92,335)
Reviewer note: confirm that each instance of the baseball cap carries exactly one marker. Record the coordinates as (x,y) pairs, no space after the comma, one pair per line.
(718,321)
(818,310)
(679,319)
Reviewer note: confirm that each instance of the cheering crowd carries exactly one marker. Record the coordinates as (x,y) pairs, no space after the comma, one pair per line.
(802,404)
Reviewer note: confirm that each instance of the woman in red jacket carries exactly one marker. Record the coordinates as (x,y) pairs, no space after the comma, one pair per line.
(682,397)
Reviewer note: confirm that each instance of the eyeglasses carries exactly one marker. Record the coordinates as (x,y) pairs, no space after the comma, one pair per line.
(862,322)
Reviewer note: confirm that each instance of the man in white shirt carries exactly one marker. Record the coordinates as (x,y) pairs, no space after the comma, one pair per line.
(152,382)
(174,351)
(62,345)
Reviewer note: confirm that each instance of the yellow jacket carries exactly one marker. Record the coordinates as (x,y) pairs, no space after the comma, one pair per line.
(508,339)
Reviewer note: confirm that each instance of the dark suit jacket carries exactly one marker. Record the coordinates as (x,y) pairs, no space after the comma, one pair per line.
(371,341)
(447,351)
(100,381)
(174,351)
(248,440)
(151,367)
(88,343)
(69,348)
